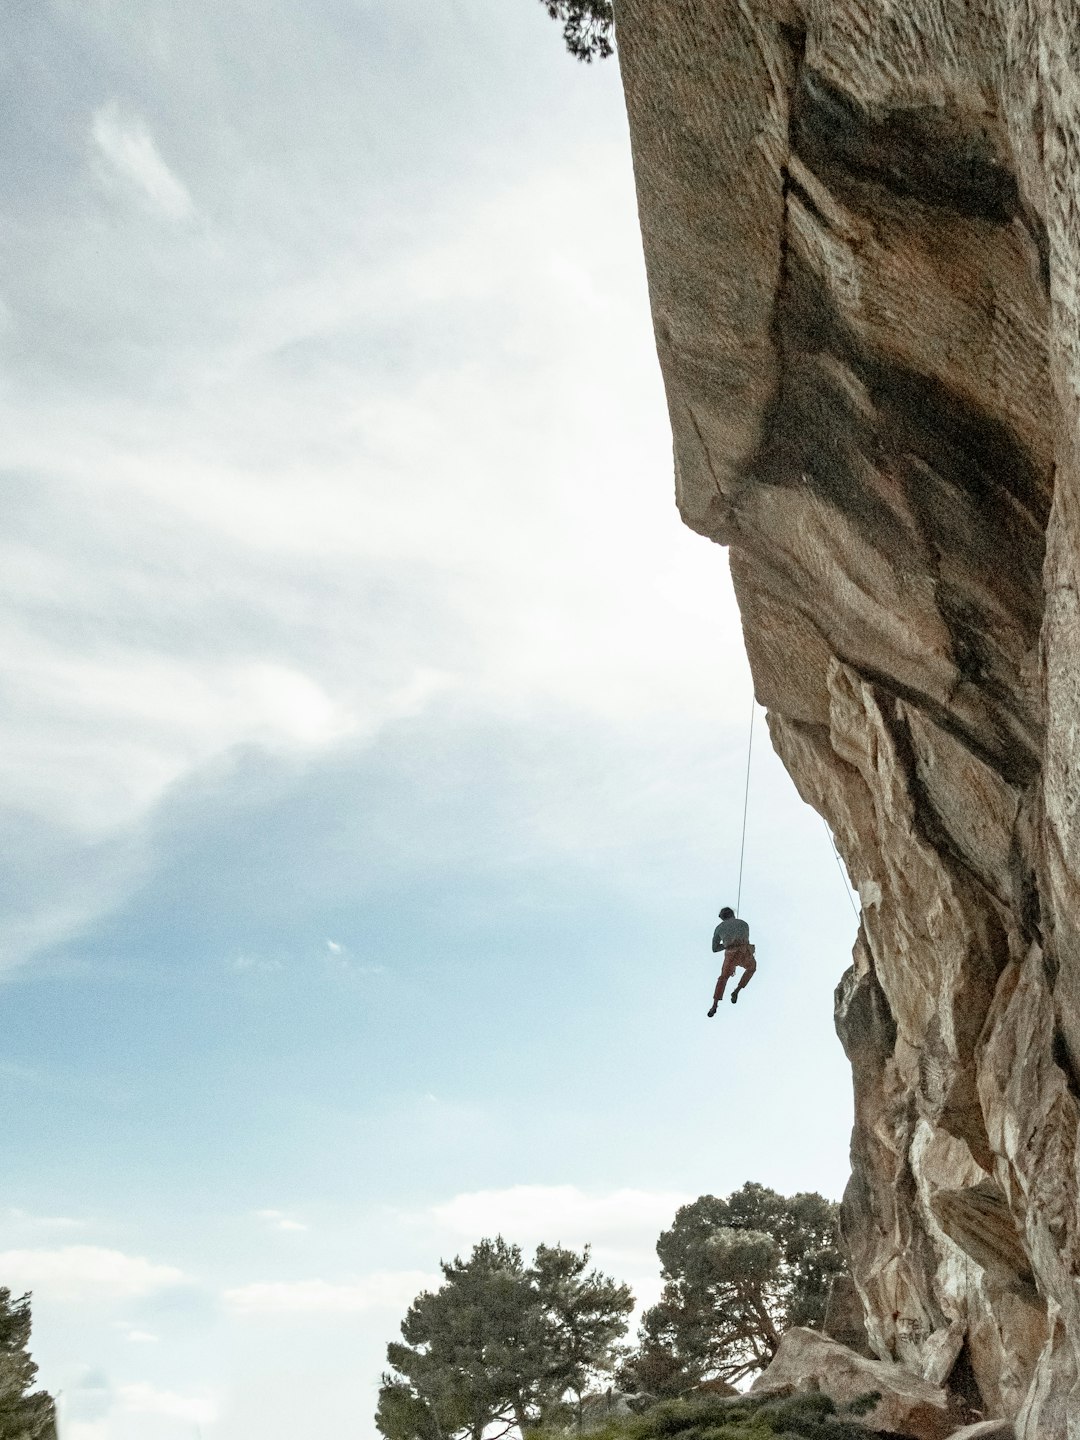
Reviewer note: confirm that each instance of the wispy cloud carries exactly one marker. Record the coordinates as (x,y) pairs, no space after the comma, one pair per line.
(339,957)
(278,1220)
(383,1290)
(127,152)
(622,1224)
(25,1220)
(77,1273)
(300,474)
(258,964)
(144,719)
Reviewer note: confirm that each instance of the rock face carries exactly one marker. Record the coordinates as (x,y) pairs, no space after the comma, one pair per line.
(906,1405)
(861,222)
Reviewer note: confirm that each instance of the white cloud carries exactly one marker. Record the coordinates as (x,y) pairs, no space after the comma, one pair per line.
(142,1337)
(382,1290)
(143,1399)
(77,1273)
(278,1220)
(620,1226)
(86,1430)
(529,1213)
(126,151)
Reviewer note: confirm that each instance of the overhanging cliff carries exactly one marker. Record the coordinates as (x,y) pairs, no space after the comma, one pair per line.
(862,235)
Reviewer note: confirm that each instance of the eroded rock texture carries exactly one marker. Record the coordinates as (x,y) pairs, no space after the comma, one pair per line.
(862,237)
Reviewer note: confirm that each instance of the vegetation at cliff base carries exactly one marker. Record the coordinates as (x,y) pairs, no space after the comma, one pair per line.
(25,1414)
(502,1343)
(737,1274)
(588,26)
(811,1416)
(519,1346)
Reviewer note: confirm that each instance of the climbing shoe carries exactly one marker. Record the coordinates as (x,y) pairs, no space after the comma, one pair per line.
(712,1012)
(735,998)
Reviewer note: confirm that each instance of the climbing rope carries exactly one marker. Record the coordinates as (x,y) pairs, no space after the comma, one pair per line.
(745,801)
(745,808)
(840,867)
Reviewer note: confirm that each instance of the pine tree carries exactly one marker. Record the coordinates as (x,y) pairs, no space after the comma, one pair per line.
(501,1343)
(588,26)
(737,1272)
(24,1414)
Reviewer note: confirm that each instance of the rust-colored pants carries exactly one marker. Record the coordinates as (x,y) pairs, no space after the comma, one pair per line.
(736,957)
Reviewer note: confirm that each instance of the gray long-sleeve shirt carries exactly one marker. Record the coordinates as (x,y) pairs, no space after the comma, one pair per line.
(730,932)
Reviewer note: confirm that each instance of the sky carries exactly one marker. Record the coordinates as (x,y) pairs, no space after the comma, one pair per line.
(373,733)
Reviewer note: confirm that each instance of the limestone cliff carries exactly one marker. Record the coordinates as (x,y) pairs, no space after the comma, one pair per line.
(862,234)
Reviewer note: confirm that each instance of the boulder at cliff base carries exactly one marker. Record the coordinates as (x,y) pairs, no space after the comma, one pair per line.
(907,1404)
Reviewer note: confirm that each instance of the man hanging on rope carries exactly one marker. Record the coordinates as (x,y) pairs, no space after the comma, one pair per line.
(733,938)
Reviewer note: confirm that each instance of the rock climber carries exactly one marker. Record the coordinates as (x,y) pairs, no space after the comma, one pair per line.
(732,936)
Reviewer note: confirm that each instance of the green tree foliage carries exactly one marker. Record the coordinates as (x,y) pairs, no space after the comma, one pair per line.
(581,1317)
(24,1414)
(588,26)
(737,1273)
(501,1342)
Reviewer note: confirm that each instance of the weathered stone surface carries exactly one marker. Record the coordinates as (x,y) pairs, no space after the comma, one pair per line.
(844,1320)
(907,1404)
(938,1355)
(861,222)
(978,1219)
(986,1430)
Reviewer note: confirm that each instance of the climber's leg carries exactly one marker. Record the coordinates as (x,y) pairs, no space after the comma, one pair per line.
(749,966)
(725,975)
